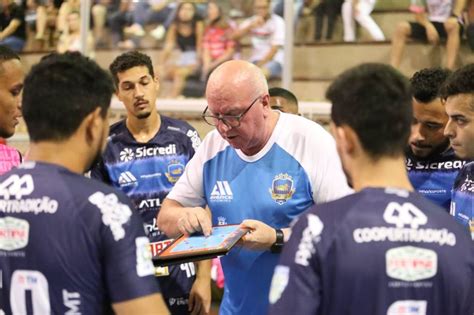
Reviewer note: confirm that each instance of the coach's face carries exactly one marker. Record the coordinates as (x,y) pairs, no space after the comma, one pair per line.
(460,126)
(138,91)
(11,87)
(429,120)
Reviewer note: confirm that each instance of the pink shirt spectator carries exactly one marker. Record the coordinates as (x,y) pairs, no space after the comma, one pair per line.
(217,41)
(9,158)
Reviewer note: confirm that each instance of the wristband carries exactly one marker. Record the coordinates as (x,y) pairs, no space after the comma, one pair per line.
(278,245)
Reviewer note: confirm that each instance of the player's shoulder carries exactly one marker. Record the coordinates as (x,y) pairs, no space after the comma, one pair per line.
(176,125)
(117,128)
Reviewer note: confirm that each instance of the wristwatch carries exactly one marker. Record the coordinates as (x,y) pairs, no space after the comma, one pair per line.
(278,245)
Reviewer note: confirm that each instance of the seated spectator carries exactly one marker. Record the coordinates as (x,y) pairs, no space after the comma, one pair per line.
(41,14)
(185,33)
(267,32)
(218,45)
(101,11)
(330,9)
(431,163)
(283,100)
(70,39)
(359,10)
(66,7)
(118,20)
(435,21)
(13,26)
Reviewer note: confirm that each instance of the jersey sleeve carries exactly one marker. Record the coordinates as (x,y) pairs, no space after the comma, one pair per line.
(296,284)
(129,271)
(99,172)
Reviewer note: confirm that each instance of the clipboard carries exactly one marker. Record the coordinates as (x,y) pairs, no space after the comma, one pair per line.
(199,247)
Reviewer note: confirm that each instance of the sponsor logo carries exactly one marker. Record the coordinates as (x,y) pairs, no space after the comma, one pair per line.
(177,301)
(468,185)
(18,187)
(149,203)
(151,228)
(282,188)
(72,301)
(127,179)
(407,220)
(195,140)
(279,283)
(144,264)
(311,236)
(447,165)
(175,170)
(221,220)
(128,154)
(14,233)
(222,192)
(410,263)
(114,213)
(407,307)
(157,247)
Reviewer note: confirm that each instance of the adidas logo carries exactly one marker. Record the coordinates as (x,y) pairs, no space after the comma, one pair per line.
(222,192)
(126,179)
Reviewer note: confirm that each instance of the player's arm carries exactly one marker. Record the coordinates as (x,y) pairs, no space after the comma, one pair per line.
(150,304)
(200,295)
(296,284)
(174,219)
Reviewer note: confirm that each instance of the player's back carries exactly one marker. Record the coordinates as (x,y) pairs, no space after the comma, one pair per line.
(68,244)
(378,252)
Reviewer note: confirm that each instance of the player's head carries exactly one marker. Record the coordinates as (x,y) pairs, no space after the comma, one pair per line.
(458,95)
(371,112)
(239,88)
(135,83)
(68,94)
(429,116)
(283,100)
(11,87)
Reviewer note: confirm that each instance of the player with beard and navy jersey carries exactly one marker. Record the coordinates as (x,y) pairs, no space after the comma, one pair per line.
(146,153)
(430,160)
(69,244)
(385,249)
(458,94)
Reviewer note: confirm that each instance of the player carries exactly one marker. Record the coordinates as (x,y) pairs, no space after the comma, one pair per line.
(283,100)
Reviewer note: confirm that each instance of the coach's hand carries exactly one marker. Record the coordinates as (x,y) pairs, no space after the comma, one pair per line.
(195,220)
(260,236)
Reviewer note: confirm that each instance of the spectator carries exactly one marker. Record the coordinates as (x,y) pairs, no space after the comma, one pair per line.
(70,39)
(186,32)
(12,23)
(458,94)
(81,249)
(101,11)
(267,33)
(259,168)
(218,45)
(283,100)
(359,10)
(330,9)
(434,21)
(67,7)
(431,163)
(11,86)
(380,250)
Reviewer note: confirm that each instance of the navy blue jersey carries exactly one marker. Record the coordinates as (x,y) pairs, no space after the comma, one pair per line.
(462,204)
(434,177)
(146,172)
(68,244)
(380,251)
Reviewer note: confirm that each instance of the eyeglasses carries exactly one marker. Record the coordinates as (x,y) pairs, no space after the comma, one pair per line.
(231,121)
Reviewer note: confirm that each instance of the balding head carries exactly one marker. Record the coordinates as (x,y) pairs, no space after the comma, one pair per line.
(232,76)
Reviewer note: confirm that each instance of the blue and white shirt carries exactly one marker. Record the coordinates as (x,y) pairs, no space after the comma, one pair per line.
(462,202)
(68,244)
(434,177)
(146,172)
(379,251)
(298,167)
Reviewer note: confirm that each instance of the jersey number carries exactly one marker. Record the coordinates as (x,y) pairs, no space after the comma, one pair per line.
(34,282)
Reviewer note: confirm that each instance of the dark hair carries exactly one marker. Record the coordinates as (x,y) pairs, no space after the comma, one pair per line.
(284,93)
(195,18)
(426,83)
(6,54)
(460,82)
(374,100)
(130,60)
(60,91)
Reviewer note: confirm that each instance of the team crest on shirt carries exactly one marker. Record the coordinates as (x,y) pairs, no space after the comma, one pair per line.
(175,170)
(282,188)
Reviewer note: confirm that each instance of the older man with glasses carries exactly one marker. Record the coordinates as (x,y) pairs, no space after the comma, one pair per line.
(260,168)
